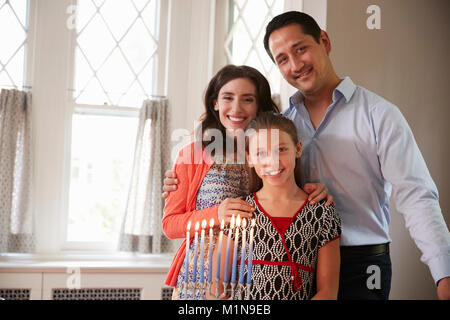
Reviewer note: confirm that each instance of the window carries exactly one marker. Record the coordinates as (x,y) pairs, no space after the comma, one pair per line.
(116,51)
(247,21)
(13,39)
(87,95)
(101,161)
(115,68)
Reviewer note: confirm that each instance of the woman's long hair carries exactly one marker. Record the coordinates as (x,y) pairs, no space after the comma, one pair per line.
(271,120)
(210,118)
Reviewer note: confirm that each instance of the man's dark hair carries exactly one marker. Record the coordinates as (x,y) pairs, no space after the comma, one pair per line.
(307,23)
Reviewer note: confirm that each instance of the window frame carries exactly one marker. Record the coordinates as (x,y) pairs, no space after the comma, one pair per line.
(222,21)
(73,108)
(28,61)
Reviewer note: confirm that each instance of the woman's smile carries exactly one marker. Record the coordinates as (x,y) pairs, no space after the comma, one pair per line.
(237,104)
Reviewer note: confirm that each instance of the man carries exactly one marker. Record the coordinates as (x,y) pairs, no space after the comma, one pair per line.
(361,147)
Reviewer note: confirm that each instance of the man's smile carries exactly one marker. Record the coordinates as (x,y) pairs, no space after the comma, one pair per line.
(304,74)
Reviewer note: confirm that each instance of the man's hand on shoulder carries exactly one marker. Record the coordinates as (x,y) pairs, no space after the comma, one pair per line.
(317,192)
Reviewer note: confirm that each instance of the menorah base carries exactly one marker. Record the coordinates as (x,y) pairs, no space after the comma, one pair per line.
(229,292)
(194,288)
(248,288)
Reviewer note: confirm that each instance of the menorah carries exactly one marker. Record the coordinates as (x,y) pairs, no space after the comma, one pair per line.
(237,226)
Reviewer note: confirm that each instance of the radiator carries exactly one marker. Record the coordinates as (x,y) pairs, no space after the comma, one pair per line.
(85,294)
(15,294)
(96,294)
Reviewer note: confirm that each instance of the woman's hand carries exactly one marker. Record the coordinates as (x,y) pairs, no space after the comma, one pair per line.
(317,192)
(235,206)
(170,183)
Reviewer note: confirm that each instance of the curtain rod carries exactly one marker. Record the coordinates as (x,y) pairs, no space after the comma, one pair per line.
(14,86)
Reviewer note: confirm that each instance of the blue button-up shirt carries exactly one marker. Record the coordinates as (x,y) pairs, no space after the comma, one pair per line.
(363,150)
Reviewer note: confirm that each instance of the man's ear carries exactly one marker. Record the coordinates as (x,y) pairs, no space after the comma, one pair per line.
(325,40)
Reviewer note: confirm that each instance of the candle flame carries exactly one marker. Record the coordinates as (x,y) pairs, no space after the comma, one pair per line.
(232,222)
(253,222)
(197,225)
(222,224)
(211,223)
(238,221)
(188,226)
(203,224)
(244,223)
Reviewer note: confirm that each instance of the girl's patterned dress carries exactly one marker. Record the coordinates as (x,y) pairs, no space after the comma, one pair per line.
(284,263)
(222,181)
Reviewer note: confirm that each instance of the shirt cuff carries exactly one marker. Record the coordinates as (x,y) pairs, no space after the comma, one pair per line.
(440,267)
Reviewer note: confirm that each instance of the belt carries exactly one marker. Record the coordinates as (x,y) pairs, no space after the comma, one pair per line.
(364,251)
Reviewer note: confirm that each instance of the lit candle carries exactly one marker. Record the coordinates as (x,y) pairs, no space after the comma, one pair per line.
(202,252)
(227,257)
(210,251)
(222,224)
(236,240)
(250,253)
(241,270)
(197,225)
(186,259)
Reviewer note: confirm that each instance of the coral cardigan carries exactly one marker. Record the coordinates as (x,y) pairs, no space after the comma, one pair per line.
(191,166)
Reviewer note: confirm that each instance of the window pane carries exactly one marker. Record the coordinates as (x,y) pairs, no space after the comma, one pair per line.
(244,43)
(13,34)
(101,163)
(120,69)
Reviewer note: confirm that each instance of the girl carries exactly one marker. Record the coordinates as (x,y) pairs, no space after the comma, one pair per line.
(210,183)
(296,247)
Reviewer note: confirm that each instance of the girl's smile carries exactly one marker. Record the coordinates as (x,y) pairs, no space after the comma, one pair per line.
(273,173)
(273,156)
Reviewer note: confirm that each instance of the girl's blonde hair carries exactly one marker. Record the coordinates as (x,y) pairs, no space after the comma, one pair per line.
(272,120)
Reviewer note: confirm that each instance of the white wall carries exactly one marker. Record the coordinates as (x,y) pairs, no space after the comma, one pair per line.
(406,61)
(189,60)
(49,117)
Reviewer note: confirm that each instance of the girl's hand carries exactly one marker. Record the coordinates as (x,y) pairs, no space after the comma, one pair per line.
(317,192)
(443,289)
(235,206)
(327,275)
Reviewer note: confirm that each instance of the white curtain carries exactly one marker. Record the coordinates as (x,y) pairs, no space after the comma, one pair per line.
(141,225)
(16,217)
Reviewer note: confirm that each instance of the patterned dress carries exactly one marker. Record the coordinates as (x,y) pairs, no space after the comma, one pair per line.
(222,181)
(284,263)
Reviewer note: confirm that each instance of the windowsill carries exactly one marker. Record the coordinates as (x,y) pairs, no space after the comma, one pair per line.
(67,262)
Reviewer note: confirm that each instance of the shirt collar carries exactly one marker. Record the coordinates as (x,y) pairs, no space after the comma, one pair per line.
(346,88)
